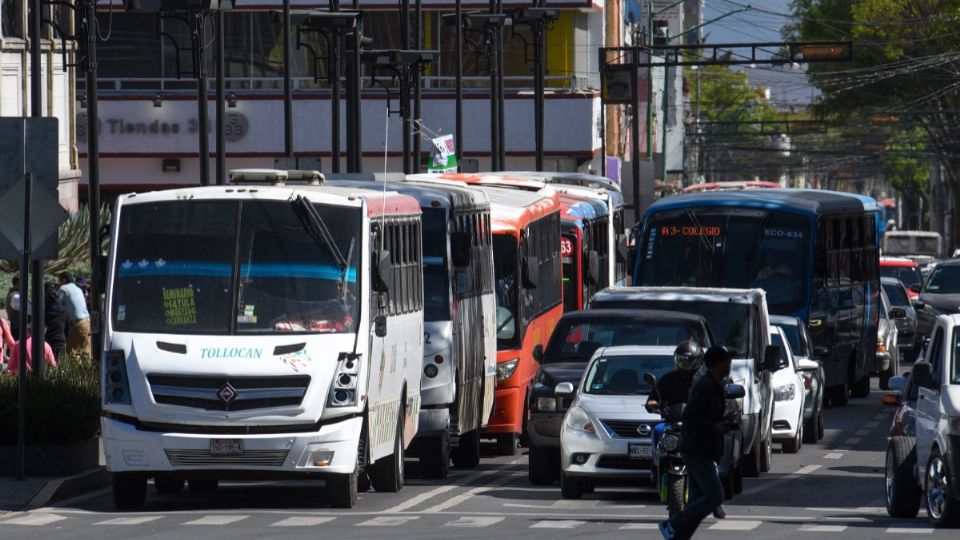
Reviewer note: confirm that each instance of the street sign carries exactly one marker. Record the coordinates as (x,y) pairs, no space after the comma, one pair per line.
(616,84)
(29,145)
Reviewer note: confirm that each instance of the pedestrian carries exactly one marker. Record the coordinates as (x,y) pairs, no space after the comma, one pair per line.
(14,366)
(13,307)
(78,318)
(55,318)
(6,341)
(701,445)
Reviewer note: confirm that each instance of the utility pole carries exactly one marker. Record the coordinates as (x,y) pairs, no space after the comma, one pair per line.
(417,80)
(221,109)
(334,79)
(86,16)
(36,267)
(459,91)
(537,19)
(354,96)
(203,112)
(405,88)
(287,84)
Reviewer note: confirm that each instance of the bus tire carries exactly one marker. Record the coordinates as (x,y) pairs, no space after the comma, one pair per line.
(166,484)
(129,490)
(203,485)
(342,489)
(839,395)
(861,388)
(467,454)
(435,456)
(507,444)
(386,475)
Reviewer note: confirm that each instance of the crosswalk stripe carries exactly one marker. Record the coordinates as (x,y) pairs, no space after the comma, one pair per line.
(833,455)
(823,528)
(129,520)
(216,520)
(388,521)
(475,521)
(639,527)
(734,525)
(557,524)
(909,530)
(35,520)
(301,521)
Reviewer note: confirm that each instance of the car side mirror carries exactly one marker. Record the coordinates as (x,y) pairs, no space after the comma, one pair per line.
(923,375)
(773,359)
(593,264)
(531,272)
(564,389)
(460,249)
(380,325)
(897,383)
(897,313)
(538,353)
(918,304)
(915,288)
(383,274)
(821,352)
(808,365)
(735,391)
(891,400)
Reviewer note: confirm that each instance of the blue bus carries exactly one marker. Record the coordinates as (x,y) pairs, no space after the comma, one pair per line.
(815,253)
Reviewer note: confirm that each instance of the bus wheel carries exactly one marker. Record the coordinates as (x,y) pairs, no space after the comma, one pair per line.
(435,456)
(342,489)
(386,475)
(467,454)
(839,395)
(129,490)
(507,444)
(167,484)
(861,388)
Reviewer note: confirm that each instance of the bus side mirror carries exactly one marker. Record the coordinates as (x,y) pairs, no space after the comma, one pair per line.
(380,325)
(593,262)
(531,268)
(382,274)
(460,249)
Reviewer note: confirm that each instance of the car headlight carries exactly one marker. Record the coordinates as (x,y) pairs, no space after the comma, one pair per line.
(670,442)
(784,393)
(577,419)
(548,404)
(505,369)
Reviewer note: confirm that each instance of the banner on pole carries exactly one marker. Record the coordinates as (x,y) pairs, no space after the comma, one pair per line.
(444,157)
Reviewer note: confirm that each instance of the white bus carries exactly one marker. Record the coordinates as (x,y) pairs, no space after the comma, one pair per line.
(262,331)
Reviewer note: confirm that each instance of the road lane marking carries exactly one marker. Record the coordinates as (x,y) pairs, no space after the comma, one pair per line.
(388,521)
(464,497)
(823,528)
(35,520)
(475,522)
(833,455)
(852,441)
(871,425)
(862,433)
(216,520)
(909,530)
(734,525)
(639,527)
(880,416)
(803,471)
(129,520)
(302,521)
(419,499)
(558,524)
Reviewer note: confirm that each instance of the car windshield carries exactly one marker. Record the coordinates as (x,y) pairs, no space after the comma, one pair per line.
(576,340)
(729,323)
(505,273)
(184,267)
(732,248)
(908,275)
(896,294)
(944,280)
(792,332)
(623,375)
(436,282)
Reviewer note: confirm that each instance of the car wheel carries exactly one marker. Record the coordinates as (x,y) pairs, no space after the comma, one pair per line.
(943,506)
(738,479)
(820,424)
(766,455)
(885,376)
(541,468)
(793,445)
(167,485)
(570,488)
(435,457)
(902,491)
(129,490)
(810,429)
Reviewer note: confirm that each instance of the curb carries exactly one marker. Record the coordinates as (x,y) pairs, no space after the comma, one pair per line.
(71,486)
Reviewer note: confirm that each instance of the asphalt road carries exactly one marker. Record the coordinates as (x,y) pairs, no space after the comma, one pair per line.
(833,489)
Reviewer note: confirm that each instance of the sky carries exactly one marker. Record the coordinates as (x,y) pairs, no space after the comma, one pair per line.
(763,24)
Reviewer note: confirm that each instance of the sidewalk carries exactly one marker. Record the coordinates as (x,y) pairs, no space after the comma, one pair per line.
(35,492)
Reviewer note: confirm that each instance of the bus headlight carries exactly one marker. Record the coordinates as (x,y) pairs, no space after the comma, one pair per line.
(343,391)
(505,369)
(116,384)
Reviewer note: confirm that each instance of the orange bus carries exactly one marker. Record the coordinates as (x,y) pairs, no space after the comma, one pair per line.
(525,221)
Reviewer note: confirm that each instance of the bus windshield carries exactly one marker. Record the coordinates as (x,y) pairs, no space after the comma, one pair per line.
(505,248)
(228,267)
(732,248)
(436,282)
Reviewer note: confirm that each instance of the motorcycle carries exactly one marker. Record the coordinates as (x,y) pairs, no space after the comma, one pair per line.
(669,473)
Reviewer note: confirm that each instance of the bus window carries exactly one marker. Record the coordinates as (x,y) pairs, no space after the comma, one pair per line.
(505,275)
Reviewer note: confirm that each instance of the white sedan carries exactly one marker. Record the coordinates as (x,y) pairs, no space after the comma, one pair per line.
(607,432)
(788,396)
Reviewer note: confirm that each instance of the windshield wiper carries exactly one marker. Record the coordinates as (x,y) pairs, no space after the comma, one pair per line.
(318,231)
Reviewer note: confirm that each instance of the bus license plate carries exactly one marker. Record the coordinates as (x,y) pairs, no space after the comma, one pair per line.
(226,447)
(640,451)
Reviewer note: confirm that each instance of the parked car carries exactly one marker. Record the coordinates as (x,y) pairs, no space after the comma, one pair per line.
(904,398)
(573,342)
(607,431)
(810,369)
(940,295)
(888,354)
(735,317)
(788,396)
(927,467)
(908,341)
(905,270)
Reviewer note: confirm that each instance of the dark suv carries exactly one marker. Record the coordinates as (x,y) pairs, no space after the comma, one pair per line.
(574,340)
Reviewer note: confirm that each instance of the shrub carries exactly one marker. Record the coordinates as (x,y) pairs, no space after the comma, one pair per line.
(63,408)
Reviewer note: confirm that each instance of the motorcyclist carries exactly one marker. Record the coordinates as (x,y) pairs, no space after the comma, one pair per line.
(674,387)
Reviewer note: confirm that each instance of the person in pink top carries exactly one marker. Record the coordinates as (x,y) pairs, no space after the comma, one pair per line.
(14,366)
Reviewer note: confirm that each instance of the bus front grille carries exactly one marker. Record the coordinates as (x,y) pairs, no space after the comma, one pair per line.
(262,458)
(228,393)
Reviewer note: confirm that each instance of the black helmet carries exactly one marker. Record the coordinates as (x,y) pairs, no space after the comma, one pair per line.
(688,355)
